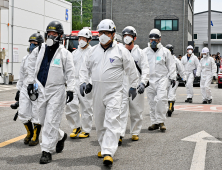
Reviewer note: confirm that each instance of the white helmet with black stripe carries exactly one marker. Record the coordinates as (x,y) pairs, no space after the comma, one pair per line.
(106,25)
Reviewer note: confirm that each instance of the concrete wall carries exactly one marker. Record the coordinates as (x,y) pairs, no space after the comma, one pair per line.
(141,14)
(201,29)
(30,16)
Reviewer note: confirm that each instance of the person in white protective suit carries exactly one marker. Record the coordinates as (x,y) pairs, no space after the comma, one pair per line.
(206,69)
(27,112)
(106,63)
(136,106)
(161,68)
(172,90)
(53,68)
(76,121)
(190,63)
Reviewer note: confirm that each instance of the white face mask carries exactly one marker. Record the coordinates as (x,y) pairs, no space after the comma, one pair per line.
(49,42)
(128,40)
(103,39)
(82,43)
(204,56)
(190,51)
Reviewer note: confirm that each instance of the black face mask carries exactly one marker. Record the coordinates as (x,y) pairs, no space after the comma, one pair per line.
(153,44)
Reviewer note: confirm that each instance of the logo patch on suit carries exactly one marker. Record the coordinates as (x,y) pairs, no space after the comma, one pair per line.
(190,61)
(57,61)
(158,58)
(111,60)
(207,64)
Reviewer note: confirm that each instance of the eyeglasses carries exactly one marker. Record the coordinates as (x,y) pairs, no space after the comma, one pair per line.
(105,32)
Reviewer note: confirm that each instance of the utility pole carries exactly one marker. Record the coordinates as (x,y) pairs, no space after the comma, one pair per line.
(78,8)
(209,25)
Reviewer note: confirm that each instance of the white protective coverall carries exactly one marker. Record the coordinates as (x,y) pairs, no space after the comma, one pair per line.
(52,97)
(189,67)
(162,68)
(106,69)
(206,69)
(72,108)
(136,106)
(27,108)
(180,71)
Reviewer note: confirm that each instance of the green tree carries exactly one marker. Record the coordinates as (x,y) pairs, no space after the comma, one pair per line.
(77,22)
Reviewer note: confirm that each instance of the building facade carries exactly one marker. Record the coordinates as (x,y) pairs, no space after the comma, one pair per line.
(23,18)
(201,31)
(174,18)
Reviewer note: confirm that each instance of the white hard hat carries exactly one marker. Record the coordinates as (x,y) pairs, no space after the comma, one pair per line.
(205,50)
(190,47)
(106,25)
(130,31)
(85,33)
(155,34)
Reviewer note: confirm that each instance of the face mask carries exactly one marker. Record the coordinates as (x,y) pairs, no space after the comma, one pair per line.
(204,56)
(51,40)
(190,51)
(31,48)
(128,40)
(153,44)
(103,39)
(82,43)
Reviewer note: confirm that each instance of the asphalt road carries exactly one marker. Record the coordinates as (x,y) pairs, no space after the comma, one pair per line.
(153,151)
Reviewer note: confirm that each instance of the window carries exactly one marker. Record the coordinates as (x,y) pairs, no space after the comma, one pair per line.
(195,36)
(219,36)
(166,25)
(213,36)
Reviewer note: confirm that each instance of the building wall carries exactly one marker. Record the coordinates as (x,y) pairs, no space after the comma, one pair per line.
(201,29)
(141,14)
(30,16)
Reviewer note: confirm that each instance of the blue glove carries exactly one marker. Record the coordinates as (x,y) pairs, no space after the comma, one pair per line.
(141,88)
(132,91)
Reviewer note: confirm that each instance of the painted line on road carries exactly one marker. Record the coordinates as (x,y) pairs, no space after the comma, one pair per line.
(12,140)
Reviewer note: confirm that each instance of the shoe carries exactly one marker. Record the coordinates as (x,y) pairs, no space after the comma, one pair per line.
(35,138)
(190,100)
(120,141)
(135,137)
(162,127)
(153,127)
(60,144)
(75,132)
(84,135)
(209,101)
(187,100)
(29,129)
(108,160)
(204,102)
(45,158)
(99,155)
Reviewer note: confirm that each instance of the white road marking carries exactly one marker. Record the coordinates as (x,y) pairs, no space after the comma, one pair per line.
(201,139)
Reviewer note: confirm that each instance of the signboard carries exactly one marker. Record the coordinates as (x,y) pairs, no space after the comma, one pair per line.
(15,55)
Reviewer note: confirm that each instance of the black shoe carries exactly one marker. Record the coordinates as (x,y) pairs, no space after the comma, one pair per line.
(120,141)
(169,113)
(209,101)
(153,127)
(204,102)
(35,138)
(60,144)
(46,158)
(190,100)
(29,130)
(187,100)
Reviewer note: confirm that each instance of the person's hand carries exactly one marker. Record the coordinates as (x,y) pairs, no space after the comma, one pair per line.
(17,96)
(173,83)
(30,89)
(88,88)
(69,96)
(132,91)
(141,88)
(82,89)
